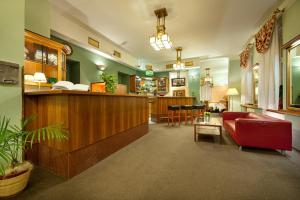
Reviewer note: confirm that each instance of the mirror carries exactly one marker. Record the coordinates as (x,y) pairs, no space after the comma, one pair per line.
(255,76)
(293,76)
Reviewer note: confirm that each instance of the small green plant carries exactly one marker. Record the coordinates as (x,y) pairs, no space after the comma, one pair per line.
(206,114)
(14,140)
(110,82)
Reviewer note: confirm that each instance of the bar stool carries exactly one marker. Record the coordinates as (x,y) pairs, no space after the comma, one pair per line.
(198,110)
(173,113)
(188,113)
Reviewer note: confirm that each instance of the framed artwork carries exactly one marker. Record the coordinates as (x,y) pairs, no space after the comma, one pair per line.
(178,93)
(178,82)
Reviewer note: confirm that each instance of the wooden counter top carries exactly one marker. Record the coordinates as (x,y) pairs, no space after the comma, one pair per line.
(98,125)
(159,108)
(75,92)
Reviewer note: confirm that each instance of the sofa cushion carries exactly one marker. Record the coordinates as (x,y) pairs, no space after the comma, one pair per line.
(230,126)
(260,116)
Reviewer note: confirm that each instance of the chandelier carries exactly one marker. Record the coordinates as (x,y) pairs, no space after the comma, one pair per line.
(208,79)
(178,65)
(161,39)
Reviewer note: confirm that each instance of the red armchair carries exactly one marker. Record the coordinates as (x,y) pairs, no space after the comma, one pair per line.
(256,130)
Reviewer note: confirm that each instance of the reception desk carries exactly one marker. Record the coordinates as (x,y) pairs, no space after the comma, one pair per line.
(98,125)
(159,105)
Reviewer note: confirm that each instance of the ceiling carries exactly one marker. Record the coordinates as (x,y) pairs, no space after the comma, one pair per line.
(204,28)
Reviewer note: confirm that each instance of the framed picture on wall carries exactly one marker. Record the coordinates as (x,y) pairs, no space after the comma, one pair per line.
(178,82)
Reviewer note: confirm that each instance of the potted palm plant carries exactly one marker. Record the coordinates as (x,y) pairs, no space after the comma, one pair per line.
(110,82)
(14,141)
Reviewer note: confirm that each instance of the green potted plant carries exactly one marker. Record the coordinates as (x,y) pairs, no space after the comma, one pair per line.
(14,141)
(206,116)
(110,82)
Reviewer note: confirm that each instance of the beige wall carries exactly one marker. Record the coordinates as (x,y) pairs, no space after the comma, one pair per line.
(218,93)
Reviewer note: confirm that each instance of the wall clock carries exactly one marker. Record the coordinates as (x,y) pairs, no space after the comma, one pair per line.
(68,49)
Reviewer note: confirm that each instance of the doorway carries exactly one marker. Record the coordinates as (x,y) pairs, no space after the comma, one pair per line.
(73,71)
(123,79)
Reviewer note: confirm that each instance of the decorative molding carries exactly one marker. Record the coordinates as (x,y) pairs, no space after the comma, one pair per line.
(93,42)
(148,67)
(169,66)
(189,63)
(117,54)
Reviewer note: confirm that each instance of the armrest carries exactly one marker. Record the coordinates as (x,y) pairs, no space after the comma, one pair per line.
(265,127)
(233,115)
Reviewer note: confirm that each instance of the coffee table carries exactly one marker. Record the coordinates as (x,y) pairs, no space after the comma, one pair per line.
(213,127)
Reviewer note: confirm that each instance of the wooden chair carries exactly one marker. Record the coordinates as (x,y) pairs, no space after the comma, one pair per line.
(187,110)
(173,113)
(198,110)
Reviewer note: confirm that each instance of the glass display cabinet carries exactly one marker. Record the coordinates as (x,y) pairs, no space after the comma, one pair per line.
(144,85)
(43,55)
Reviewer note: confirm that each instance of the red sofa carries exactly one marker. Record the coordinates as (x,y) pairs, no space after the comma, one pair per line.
(256,130)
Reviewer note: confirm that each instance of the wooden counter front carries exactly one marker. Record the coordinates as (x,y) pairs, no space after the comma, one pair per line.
(98,125)
(159,107)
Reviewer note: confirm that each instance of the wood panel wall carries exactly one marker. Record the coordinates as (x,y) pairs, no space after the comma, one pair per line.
(159,107)
(93,121)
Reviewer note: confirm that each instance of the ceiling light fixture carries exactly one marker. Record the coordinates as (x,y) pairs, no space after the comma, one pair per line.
(208,79)
(178,65)
(161,39)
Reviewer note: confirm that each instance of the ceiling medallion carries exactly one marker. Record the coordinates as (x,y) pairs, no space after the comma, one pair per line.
(179,65)
(161,39)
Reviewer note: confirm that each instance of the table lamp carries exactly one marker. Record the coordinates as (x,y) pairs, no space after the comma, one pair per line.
(39,78)
(232,92)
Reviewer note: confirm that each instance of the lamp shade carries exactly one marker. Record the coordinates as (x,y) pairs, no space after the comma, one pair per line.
(39,77)
(232,92)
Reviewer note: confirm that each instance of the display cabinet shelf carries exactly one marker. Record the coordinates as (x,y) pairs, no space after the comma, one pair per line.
(42,54)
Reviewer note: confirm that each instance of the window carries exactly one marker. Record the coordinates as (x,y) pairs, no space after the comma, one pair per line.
(293,73)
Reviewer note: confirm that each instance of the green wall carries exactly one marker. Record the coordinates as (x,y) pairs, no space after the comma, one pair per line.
(290,22)
(194,83)
(12,50)
(37,16)
(161,74)
(88,60)
(234,81)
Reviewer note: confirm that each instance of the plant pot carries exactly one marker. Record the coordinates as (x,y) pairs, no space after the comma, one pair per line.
(15,184)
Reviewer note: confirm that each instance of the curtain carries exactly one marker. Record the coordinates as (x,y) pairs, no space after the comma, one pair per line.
(268,85)
(247,83)
(244,58)
(263,38)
